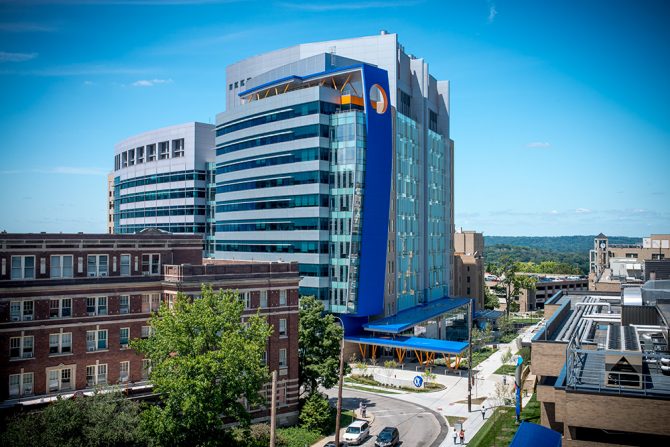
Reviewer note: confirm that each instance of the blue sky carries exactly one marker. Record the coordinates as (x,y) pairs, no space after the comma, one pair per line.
(559,108)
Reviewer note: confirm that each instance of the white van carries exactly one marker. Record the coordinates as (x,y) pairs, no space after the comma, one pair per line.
(357,432)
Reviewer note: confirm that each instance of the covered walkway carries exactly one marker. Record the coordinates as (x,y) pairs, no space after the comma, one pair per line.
(425,349)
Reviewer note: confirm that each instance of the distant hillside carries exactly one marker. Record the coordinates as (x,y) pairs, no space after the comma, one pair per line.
(562,244)
(493,254)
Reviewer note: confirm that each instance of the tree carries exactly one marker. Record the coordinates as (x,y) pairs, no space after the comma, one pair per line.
(207,364)
(317,414)
(319,346)
(104,419)
(491,299)
(506,271)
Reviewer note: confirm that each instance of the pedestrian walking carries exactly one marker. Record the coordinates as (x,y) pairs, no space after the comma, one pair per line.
(483,412)
(455,436)
(462,436)
(504,380)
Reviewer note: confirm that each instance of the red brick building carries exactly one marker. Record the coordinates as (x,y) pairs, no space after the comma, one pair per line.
(70,304)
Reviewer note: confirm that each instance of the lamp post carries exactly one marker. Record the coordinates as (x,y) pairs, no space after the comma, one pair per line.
(339,387)
(469,355)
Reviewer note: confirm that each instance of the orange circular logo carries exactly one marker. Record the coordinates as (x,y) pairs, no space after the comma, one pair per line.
(378,99)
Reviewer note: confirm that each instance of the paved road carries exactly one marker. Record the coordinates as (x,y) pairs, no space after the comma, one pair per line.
(417,427)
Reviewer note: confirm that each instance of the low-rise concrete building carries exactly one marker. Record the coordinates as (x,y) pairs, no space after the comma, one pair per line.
(469,266)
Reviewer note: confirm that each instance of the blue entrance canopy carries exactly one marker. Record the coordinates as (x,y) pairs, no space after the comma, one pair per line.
(406,319)
(535,435)
(416,343)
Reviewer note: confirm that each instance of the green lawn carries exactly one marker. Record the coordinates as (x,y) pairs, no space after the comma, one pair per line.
(508,370)
(367,380)
(478,357)
(370,390)
(501,426)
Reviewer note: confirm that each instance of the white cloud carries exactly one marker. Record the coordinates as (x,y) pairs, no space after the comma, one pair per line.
(6,56)
(538,144)
(582,211)
(553,212)
(150,82)
(493,12)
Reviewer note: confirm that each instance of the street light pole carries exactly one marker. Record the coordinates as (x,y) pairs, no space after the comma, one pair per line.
(470,355)
(339,388)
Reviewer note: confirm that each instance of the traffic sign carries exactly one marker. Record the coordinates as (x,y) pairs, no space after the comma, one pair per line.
(418,381)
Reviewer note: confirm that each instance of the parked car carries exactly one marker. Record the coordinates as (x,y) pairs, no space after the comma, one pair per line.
(357,432)
(389,437)
(332,444)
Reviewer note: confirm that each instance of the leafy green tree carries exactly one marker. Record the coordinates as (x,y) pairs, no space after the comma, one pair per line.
(104,419)
(206,363)
(319,346)
(317,414)
(491,299)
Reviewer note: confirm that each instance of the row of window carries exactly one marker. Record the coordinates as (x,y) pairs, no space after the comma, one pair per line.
(295,224)
(274,246)
(62,378)
(166,194)
(160,178)
(294,111)
(169,227)
(23,347)
(274,203)
(296,133)
(297,178)
(153,152)
(237,84)
(162,211)
(279,158)
(62,266)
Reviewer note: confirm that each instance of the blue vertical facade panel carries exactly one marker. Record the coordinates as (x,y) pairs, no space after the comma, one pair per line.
(377,197)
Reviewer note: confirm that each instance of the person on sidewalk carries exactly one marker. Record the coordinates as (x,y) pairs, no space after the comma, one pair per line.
(483,412)
(462,436)
(455,436)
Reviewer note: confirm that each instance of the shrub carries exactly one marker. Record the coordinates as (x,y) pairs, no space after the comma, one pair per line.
(316,414)
(390,364)
(296,437)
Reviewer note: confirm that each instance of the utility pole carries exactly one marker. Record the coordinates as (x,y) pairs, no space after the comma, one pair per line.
(273,410)
(339,390)
(470,355)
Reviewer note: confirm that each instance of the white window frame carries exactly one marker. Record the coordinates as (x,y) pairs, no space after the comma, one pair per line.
(97,265)
(99,374)
(282,330)
(178,148)
(60,344)
(264,299)
(22,269)
(146,331)
(139,154)
(100,305)
(245,296)
(22,389)
(151,302)
(152,264)
(24,341)
(94,338)
(282,297)
(60,379)
(121,343)
(124,371)
(60,272)
(283,364)
(25,308)
(122,264)
(146,368)
(127,305)
(163,150)
(60,307)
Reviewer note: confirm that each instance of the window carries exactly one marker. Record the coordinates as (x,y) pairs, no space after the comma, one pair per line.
(20,384)
(124,371)
(96,374)
(236,84)
(282,297)
(139,153)
(131,157)
(265,358)
(96,305)
(246,299)
(21,310)
(151,152)
(230,86)
(125,265)
(97,265)
(151,264)
(96,340)
(264,298)
(178,148)
(23,267)
(61,266)
(124,336)
(163,150)
(60,343)
(282,358)
(124,159)
(146,368)
(124,304)
(21,347)
(151,302)
(60,379)
(282,327)
(60,307)
(147,331)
